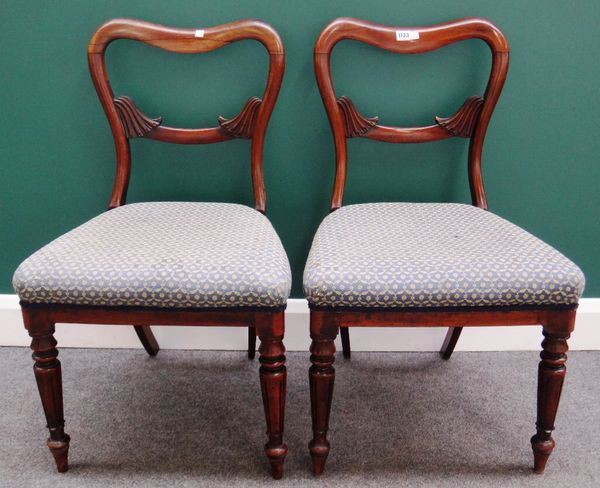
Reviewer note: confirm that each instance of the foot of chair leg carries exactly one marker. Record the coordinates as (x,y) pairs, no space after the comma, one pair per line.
(60,451)
(276,455)
(322,378)
(319,450)
(273,375)
(450,342)
(551,374)
(345,335)
(48,376)
(542,446)
(146,337)
(251,342)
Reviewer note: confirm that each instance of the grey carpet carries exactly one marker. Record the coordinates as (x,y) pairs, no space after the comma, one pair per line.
(187,419)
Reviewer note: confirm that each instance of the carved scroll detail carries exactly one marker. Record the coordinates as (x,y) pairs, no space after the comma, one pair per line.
(135,123)
(462,123)
(356,125)
(242,125)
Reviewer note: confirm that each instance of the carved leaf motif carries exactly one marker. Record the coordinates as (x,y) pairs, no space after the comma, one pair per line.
(356,125)
(242,125)
(462,123)
(135,123)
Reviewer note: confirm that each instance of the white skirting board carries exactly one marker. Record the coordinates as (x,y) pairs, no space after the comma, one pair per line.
(585,337)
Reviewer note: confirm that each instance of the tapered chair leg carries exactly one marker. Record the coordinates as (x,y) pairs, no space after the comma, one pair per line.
(551,374)
(321,378)
(273,375)
(450,342)
(48,376)
(144,333)
(251,342)
(345,334)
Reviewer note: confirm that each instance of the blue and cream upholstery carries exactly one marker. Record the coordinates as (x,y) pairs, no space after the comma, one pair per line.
(433,255)
(167,255)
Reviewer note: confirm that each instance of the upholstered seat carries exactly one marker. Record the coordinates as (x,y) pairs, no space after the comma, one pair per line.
(433,255)
(167,255)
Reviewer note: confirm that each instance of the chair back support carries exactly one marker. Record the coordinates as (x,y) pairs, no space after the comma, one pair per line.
(470,121)
(127,121)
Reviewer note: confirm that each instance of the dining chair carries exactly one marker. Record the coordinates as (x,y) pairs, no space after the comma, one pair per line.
(167,263)
(429,264)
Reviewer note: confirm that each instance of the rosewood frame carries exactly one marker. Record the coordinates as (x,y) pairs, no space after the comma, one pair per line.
(470,121)
(127,121)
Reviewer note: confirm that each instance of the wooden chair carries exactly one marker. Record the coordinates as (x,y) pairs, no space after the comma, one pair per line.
(429,265)
(167,263)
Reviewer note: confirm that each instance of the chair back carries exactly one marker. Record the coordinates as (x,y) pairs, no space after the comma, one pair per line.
(128,121)
(470,121)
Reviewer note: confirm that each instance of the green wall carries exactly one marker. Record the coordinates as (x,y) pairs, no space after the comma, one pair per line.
(540,159)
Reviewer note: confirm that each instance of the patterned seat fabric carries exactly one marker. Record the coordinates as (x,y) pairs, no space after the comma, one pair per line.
(433,255)
(164,254)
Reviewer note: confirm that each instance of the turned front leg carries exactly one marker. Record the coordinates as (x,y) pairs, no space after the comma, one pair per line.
(49,381)
(273,377)
(551,374)
(321,377)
